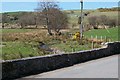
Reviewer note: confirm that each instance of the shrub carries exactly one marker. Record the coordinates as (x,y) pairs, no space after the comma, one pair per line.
(93,21)
(102,20)
(112,22)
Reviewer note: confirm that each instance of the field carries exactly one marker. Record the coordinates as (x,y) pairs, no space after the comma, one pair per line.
(111,33)
(15,50)
(21,43)
(73,17)
(20,48)
(74,14)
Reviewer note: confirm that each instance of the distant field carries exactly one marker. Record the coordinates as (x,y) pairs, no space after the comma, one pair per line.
(74,14)
(114,14)
(73,17)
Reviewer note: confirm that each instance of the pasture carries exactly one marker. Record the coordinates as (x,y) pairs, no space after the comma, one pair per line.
(20,43)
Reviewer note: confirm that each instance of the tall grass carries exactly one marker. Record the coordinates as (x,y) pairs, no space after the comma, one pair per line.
(16,50)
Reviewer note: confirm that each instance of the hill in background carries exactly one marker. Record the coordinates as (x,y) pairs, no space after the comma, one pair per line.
(13,18)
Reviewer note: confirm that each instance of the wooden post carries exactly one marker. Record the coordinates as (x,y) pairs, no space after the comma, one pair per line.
(92,44)
(73,49)
(91,37)
(105,39)
(81,24)
(101,38)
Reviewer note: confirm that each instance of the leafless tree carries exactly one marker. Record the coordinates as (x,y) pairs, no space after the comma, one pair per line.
(50,14)
(58,20)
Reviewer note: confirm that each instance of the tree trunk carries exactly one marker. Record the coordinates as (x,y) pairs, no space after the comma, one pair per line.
(36,26)
(49,30)
(48,26)
(3,25)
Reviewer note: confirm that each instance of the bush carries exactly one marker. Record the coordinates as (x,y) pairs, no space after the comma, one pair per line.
(93,20)
(108,9)
(102,20)
(112,22)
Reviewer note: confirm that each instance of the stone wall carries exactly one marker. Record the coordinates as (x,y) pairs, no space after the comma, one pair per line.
(12,69)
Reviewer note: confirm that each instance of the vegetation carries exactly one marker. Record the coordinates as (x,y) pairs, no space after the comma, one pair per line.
(108,9)
(103,20)
(26,19)
(111,33)
(16,50)
(20,48)
(20,43)
(16,30)
(18,18)
(50,15)
(47,14)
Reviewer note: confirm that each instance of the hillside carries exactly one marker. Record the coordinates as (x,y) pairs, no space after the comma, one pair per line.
(74,12)
(73,15)
(21,43)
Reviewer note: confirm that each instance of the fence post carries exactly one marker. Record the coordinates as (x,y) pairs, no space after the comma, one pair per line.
(92,46)
(105,39)
(101,38)
(96,36)
(91,37)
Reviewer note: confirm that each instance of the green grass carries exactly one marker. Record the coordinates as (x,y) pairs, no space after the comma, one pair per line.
(72,46)
(18,50)
(112,33)
(15,50)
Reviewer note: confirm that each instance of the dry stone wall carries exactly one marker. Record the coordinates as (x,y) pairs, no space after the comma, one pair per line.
(12,69)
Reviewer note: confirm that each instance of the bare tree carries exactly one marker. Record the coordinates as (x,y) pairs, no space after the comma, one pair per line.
(58,19)
(51,16)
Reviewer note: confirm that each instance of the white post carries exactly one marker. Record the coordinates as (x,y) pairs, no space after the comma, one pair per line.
(96,37)
(91,37)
